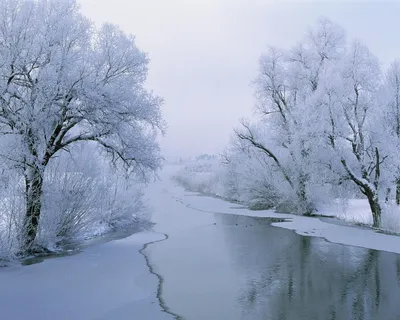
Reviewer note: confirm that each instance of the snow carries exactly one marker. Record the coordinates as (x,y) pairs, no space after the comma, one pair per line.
(109,281)
(356,210)
(347,235)
(353,210)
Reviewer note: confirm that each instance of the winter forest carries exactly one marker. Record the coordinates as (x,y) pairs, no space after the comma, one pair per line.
(79,130)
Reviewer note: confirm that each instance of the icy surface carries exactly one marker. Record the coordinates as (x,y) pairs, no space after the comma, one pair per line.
(108,281)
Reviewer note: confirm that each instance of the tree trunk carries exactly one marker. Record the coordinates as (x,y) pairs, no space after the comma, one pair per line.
(34,189)
(302,196)
(398,192)
(375,208)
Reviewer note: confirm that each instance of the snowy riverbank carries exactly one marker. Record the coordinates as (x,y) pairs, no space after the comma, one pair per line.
(108,281)
(355,211)
(336,233)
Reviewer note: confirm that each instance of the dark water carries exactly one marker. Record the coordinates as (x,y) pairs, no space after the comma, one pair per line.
(234,267)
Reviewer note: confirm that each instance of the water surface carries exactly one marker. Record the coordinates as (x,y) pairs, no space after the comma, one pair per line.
(224,266)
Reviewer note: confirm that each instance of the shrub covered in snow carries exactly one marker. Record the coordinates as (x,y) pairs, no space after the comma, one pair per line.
(202,174)
(82,197)
(247,180)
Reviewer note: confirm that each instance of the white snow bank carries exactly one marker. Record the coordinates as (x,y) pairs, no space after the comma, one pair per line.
(206,176)
(354,210)
(347,235)
(109,281)
(358,211)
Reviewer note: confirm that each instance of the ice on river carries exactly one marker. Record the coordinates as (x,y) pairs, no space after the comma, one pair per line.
(108,281)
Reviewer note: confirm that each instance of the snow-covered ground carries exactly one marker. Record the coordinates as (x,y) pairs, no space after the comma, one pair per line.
(108,281)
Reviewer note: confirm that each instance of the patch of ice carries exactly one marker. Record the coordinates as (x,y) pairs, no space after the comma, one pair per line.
(108,281)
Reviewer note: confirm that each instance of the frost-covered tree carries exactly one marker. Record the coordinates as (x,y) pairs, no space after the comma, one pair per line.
(63,82)
(327,118)
(351,97)
(286,83)
(391,115)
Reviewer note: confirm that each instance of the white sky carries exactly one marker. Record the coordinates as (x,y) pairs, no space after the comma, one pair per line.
(204,53)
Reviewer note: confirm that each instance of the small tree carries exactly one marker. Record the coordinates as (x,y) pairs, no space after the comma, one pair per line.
(63,82)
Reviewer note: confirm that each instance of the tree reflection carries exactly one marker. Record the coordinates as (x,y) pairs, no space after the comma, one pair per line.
(289,276)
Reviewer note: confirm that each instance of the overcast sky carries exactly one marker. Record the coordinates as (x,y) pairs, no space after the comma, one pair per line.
(204,53)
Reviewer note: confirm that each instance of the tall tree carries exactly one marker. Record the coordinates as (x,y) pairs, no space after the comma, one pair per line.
(321,113)
(62,82)
(351,96)
(286,83)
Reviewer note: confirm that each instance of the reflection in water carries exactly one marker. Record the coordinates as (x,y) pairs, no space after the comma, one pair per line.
(231,267)
(287,276)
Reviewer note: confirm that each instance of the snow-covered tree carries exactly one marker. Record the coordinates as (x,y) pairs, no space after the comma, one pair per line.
(351,94)
(63,82)
(285,85)
(327,118)
(391,116)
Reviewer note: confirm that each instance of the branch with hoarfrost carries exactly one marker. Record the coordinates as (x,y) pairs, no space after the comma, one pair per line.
(250,138)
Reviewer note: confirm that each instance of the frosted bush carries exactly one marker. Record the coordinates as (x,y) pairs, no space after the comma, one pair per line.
(86,199)
(82,197)
(11,215)
(203,175)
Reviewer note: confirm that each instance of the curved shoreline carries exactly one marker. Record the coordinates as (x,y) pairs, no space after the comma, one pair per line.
(160,286)
(350,235)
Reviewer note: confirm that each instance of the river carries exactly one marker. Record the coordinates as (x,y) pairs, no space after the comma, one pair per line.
(209,260)
(229,266)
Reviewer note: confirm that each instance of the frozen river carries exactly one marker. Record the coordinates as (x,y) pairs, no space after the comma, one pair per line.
(229,266)
(216,263)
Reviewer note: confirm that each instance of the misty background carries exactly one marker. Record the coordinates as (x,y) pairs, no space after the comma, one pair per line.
(204,54)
